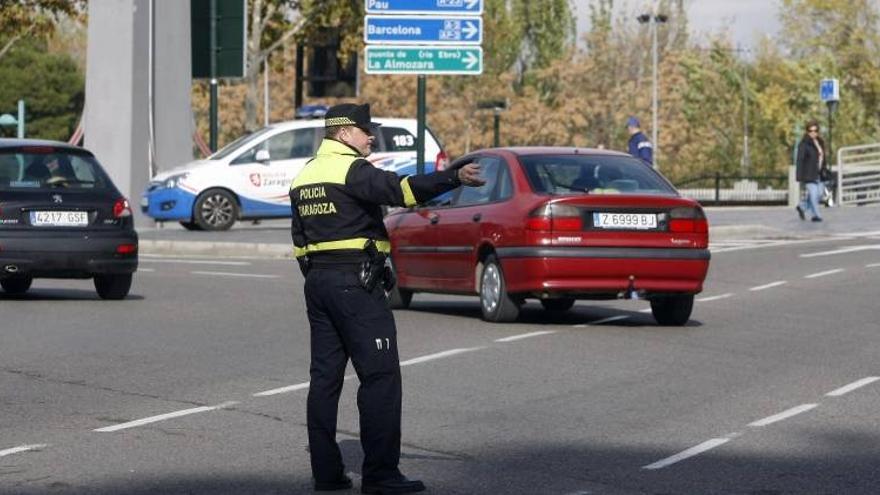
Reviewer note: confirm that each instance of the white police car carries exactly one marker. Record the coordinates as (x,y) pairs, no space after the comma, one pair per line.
(250,177)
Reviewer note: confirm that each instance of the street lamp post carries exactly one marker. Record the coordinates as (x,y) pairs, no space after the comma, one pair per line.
(654,18)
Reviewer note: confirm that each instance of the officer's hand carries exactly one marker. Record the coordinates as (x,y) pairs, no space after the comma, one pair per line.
(469,175)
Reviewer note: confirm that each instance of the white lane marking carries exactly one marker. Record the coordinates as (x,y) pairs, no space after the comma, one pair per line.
(850,249)
(195,262)
(715,298)
(783,415)
(282,390)
(162,417)
(646,310)
(241,275)
(22,448)
(603,320)
(684,454)
(825,273)
(439,355)
(873,265)
(148,270)
(852,386)
(525,336)
(769,286)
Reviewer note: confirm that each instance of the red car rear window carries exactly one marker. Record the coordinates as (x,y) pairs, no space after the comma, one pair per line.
(593,174)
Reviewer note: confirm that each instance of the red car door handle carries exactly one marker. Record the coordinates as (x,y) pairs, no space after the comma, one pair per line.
(477,217)
(434,218)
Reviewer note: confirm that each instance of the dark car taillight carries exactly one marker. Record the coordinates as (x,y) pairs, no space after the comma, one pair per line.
(688,220)
(126,249)
(555,217)
(121,208)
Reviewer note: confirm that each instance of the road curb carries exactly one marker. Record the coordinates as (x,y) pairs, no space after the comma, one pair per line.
(221,249)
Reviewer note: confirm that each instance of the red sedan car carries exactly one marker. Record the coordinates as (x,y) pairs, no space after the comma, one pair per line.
(555,224)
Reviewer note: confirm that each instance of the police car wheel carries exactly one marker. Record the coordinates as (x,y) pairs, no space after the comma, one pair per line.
(16,285)
(215,209)
(495,303)
(190,226)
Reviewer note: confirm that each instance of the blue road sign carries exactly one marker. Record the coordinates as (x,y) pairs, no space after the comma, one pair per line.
(829,90)
(431,30)
(438,7)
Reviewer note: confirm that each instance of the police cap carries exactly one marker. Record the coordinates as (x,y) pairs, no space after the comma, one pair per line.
(350,114)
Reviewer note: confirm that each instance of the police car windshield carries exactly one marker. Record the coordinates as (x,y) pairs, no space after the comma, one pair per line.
(46,167)
(235,145)
(596,174)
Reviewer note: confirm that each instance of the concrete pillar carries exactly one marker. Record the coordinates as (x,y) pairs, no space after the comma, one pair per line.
(138,66)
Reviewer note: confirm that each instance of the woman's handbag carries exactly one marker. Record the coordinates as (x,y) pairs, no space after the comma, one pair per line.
(825,174)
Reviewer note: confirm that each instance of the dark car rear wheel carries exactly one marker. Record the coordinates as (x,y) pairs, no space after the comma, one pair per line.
(16,285)
(672,310)
(496,304)
(114,286)
(215,209)
(561,304)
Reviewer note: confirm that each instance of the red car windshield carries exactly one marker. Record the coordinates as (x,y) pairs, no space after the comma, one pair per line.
(593,174)
(29,168)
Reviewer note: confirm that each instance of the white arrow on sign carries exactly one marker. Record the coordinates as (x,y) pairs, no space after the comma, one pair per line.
(470,30)
(470,60)
(472,3)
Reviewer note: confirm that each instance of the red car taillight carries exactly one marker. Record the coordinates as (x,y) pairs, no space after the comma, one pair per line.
(441,161)
(688,220)
(121,209)
(555,217)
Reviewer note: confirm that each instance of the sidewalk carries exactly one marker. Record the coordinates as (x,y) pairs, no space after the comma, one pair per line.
(271,238)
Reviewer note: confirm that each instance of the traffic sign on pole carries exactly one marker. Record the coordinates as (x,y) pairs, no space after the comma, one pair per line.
(829,90)
(424,60)
(436,7)
(423,30)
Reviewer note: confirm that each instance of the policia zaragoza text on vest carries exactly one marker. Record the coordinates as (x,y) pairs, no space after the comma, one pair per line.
(340,242)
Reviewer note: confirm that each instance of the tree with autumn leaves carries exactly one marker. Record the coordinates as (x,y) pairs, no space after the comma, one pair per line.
(577,90)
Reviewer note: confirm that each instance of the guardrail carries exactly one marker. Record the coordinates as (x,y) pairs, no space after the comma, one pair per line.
(858,175)
(712,190)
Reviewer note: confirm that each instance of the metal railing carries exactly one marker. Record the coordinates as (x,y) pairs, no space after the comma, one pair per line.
(858,175)
(736,189)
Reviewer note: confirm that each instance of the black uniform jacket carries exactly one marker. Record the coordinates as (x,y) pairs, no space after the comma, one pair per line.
(336,202)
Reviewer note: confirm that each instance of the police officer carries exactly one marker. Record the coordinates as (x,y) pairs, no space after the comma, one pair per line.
(340,242)
(639,145)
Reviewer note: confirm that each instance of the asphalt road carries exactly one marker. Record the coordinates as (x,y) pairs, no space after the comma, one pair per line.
(196,385)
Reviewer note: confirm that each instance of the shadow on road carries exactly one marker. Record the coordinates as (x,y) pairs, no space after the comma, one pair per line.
(812,462)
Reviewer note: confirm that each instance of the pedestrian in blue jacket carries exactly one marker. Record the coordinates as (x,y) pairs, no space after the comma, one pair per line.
(639,146)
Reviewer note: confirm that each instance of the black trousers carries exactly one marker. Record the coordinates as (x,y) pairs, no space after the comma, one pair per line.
(349,322)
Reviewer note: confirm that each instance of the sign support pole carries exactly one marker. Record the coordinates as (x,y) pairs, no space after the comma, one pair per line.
(20,133)
(213,48)
(421,110)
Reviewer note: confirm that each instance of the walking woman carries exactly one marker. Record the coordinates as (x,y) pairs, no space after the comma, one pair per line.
(811,165)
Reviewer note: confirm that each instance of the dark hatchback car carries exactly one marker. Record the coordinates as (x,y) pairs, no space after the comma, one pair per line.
(62,217)
(557,225)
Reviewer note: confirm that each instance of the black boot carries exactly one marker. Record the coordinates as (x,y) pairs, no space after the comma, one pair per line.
(343,483)
(396,485)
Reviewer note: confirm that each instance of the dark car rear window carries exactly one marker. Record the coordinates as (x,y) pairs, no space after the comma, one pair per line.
(40,167)
(586,174)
